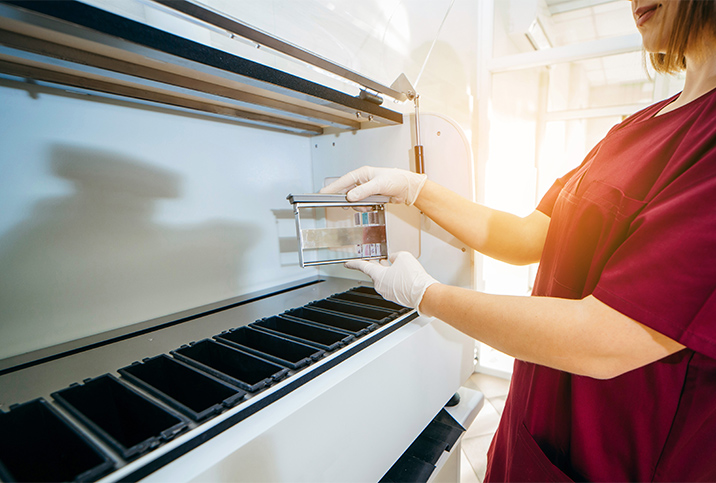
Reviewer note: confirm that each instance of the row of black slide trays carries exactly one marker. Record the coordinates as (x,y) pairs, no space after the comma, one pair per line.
(198,381)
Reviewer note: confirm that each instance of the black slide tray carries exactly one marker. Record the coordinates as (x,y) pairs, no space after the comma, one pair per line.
(278,349)
(230,364)
(380,316)
(323,338)
(190,391)
(39,444)
(365,290)
(371,300)
(125,419)
(353,325)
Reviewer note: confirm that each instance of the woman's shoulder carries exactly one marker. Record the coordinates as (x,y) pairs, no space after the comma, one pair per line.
(651,111)
(702,111)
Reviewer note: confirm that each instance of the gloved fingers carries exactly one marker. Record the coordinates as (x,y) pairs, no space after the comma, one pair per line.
(404,258)
(404,281)
(402,186)
(349,180)
(369,188)
(371,268)
(340,185)
(355,264)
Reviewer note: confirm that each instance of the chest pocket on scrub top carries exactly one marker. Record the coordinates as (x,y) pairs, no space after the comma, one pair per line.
(591,227)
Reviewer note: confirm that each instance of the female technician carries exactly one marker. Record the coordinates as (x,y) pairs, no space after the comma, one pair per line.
(615,377)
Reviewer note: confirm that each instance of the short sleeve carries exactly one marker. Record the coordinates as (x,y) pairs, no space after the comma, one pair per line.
(664,274)
(546,204)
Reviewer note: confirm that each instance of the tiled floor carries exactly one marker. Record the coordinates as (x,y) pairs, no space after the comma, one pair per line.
(477,439)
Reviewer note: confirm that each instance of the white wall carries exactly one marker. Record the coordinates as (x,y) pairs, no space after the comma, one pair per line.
(114,214)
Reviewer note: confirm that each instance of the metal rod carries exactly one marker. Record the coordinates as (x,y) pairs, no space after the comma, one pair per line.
(419,158)
(107,86)
(78,56)
(341,260)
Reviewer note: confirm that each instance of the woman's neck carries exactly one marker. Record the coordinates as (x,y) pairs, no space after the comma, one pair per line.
(700,77)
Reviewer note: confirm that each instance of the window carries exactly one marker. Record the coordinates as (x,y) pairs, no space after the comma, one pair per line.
(561,73)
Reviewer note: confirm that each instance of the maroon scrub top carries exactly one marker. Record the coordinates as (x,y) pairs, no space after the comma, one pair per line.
(635,226)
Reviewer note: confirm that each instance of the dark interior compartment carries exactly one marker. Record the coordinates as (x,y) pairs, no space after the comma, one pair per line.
(427,449)
(418,461)
(283,351)
(40,445)
(128,421)
(231,365)
(326,339)
(380,316)
(369,300)
(448,434)
(409,468)
(194,393)
(355,326)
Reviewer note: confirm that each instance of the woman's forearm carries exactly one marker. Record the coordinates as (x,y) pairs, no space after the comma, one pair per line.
(584,337)
(494,233)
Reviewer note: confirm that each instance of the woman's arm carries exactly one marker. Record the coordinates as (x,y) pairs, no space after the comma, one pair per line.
(585,337)
(494,233)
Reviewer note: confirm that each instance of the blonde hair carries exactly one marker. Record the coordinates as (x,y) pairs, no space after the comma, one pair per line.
(695,21)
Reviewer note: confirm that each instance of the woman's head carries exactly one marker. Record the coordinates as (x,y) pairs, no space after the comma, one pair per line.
(673,30)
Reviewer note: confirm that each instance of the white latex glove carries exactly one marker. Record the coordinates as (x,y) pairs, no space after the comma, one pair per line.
(404,282)
(402,186)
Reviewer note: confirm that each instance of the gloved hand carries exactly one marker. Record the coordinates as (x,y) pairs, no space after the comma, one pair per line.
(404,282)
(402,186)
